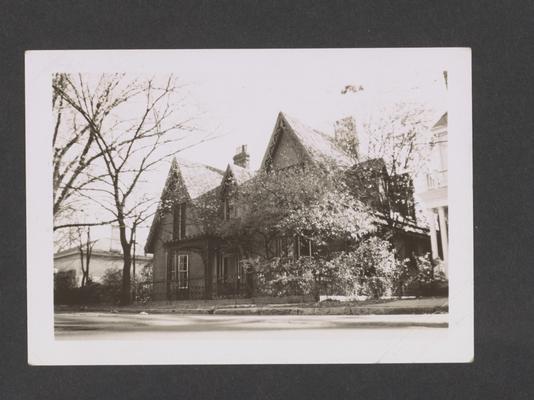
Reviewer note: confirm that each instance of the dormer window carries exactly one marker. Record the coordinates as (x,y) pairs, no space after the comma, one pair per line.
(179,222)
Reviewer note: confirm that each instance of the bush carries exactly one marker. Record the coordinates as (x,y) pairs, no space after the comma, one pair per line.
(143,284)
(429,279)
(365,271)
(371,269)
(111,286)
(91,293)
(284,277)
(65,287)
(335,277)
(370,266)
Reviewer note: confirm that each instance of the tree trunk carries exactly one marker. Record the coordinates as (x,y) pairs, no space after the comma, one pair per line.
(88,253)
(84,275)
(134,291)
(127,263)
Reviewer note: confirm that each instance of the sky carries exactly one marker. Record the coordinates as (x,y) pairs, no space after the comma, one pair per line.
(237,95)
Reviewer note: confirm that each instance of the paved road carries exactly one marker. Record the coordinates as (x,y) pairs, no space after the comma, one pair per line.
(107,326)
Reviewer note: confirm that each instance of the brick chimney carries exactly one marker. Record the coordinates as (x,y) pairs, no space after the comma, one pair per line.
(242,157)
(346,137)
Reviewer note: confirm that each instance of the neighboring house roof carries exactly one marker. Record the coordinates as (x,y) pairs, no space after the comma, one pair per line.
(98,253)
(442,122)
(197,180)
(319,146)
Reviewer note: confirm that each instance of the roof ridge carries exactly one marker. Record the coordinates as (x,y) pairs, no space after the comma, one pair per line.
(311,143)
(181,160)
(297,120)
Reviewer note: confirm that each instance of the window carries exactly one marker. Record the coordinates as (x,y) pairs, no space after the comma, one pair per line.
(173,268)
(219,268)
(227,268)
(227,261)
(281,248)
(298,247)
(304,247)
(179,270)
(230,210)
(179,222)
(183,271)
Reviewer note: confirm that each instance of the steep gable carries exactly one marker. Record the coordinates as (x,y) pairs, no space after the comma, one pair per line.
(293,142)
(239,174)
(186,181)
(198,178)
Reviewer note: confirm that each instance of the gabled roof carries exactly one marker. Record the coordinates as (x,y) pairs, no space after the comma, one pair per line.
(319,146)
(197,180)
(240,174)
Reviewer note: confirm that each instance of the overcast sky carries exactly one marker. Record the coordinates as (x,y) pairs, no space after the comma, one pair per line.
(238,94)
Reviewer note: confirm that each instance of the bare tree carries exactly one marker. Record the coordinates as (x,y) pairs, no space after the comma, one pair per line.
(75,150)
(85,248)
(400,135)
(140,127)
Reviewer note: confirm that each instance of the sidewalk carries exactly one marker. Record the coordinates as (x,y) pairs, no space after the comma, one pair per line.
(435,305)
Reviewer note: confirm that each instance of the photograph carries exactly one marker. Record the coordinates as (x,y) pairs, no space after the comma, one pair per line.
(249,206)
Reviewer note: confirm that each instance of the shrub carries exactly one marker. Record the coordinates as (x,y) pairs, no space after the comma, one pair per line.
(371,269)
(372,265)
(91,293)
(111,286)
(143,284)
(335,277)
(368,270)
(284,276)
(430,280)
(65,287)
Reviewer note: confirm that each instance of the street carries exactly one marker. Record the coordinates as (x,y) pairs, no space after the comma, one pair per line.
(97,325)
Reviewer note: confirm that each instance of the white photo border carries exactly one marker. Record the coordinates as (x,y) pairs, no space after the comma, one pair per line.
(456,343)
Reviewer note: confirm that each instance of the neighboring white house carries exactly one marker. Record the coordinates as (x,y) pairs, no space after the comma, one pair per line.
(106,254)
(434,192)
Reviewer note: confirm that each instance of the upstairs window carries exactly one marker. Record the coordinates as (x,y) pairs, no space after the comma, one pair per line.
(179,222)
(230,210)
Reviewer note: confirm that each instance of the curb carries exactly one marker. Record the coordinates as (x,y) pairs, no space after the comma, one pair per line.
(332,311)
(277,311)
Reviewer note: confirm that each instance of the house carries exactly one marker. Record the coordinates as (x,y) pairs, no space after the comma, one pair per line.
(105,254)
(190,261)
(434,192)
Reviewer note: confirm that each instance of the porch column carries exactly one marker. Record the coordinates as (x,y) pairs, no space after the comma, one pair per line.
(431,215)
(444,238)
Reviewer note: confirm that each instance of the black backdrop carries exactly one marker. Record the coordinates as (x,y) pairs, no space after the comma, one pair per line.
(500,35)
